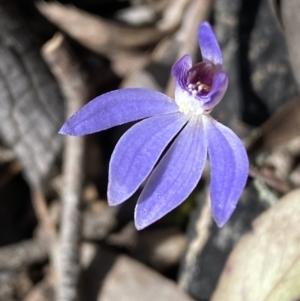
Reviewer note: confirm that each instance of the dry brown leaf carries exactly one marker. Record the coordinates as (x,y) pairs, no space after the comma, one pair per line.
(282,126)
(265,265)
(112,277)
(31,107)
(93,31)
(102,36)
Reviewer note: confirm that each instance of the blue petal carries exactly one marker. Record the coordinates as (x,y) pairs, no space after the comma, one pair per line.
(219,87)
(229,169)
(209,45)
(117,107)
(175,176)
(137,152)
(180,70)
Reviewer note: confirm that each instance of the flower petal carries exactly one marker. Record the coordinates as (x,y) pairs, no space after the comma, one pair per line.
(229,169)
(209,45)
(180,70)
(219,87)
(138,151)
(117,107)
(175,176)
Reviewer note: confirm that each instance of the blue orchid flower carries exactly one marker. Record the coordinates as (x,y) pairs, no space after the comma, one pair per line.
(183,122)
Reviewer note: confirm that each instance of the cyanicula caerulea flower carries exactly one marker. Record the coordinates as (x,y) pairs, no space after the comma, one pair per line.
(186,124)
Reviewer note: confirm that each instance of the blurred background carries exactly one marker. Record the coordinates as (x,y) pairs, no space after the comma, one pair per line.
(57,55)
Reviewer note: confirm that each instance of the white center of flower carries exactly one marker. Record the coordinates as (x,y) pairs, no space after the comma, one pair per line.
(189,104)
(193,95)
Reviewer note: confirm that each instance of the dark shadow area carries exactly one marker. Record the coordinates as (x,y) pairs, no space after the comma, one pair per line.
(254,111)
(92,278)
(17,218)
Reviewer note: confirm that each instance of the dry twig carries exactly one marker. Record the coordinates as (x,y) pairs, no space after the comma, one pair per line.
(96,226)
(23,253)
(41,209)
(106,37)
(66,70)
(46,224)
(197,244)
(269,179)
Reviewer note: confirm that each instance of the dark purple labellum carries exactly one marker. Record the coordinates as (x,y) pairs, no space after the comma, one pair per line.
(200,78)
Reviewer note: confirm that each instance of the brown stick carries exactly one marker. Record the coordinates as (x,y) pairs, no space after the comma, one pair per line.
(96,227)
(196,245)
(47,226)
(69,76)
(270,180)
(105,37)
(42,214)
(23,253)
